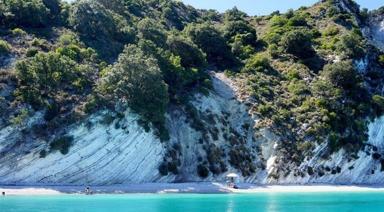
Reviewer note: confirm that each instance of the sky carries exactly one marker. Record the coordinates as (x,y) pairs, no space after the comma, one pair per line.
(265,7)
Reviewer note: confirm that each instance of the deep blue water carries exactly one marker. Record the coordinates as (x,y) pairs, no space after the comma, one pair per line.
(292,202)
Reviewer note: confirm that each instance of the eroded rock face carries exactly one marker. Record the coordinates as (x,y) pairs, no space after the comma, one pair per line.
(122,152)
(100,155)
(365,167)
(374,31)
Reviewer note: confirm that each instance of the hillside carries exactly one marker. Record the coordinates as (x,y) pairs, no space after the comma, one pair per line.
(121,91)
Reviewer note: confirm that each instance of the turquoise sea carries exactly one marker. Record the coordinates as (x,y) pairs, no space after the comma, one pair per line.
(292,202)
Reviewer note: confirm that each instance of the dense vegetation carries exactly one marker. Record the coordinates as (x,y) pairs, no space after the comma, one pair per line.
(73,60)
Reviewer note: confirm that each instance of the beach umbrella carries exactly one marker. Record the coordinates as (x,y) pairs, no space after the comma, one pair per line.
(232,175)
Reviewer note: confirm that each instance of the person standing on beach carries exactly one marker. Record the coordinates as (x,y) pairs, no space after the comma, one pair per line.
(3,193)
(88,190)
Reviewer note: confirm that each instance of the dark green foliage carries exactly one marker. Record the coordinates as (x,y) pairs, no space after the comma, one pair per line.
(93,20)
(149,29)
(55,80)
(136,82)
(43,153)
(298,43)
(240,158)
(214,157)
(26,13)
(180,78)
(163,169)
(169,47)
(104,30)
(351,45)
(212,43)
(380,59)
(61,144)
(52,111)
(5,48)
(234,14)
(240,35)
(378,103)
(31,52)
(191,56)
(382,165)
(53,6)
(341,74)
(43,75)
(202,171)
(297,20)
(233,28)
(257,63)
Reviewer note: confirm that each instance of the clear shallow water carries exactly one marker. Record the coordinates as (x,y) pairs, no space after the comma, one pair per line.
(330,202)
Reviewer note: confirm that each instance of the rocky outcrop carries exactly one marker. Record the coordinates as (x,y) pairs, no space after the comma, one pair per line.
(121,152)
(364,167)
(100,155)
(374,30)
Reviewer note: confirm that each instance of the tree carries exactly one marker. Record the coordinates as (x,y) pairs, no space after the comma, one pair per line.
(299,43)
(53,6)
(103,30)
(27,13)
(41,75)
(190,54)
(234,14)
(351,45)
(135,81)
(150,30)
(234,28)
(44,75)
(378,104)
(341,74)
(5,48)
(93,19)
(212,43)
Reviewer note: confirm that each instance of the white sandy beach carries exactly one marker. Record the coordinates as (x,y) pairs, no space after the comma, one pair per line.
(183,188)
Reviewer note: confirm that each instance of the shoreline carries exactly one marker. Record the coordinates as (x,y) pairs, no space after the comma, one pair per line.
(198,188)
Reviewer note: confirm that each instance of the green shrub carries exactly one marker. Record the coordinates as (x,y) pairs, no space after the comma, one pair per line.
(20,118)
(278,21)
(265,110)
(331,31)
(241,158)
(41,43)
(31,52)
(381,59)
(18,32)
(299,43)
(163,169)
(341,74)
(351,45)
(43,153)
(274,50)
(257,63)
(209,39)
(298,87)
(68,38)
(150,29)
(297,20)
(61,144)
(27,13)
(5,48)
(190,54)
(378,103)
(202,171)
(332,11)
